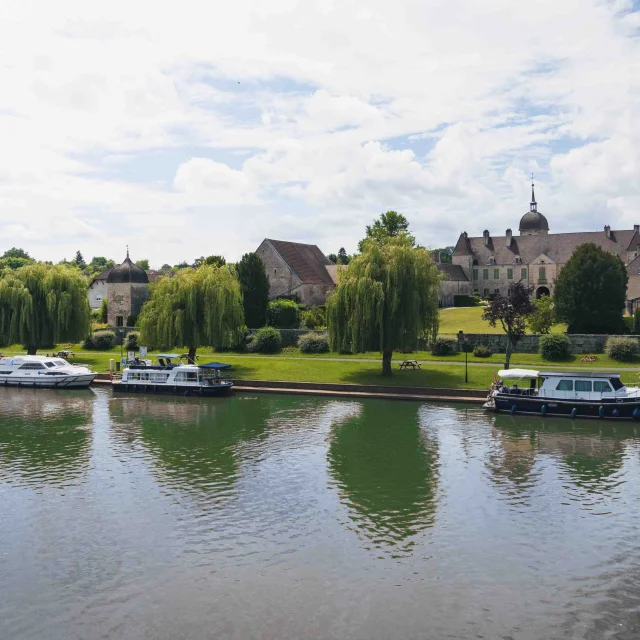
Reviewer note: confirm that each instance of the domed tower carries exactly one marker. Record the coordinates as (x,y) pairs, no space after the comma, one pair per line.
(127,290)
(533,222)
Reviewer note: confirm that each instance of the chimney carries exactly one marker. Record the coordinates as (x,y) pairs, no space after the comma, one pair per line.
(507,242)
(636,228)
(607,230)
(486,237)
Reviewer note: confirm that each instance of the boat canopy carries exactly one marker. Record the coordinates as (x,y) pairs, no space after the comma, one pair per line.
(518,373)
(214,365)
(167,355)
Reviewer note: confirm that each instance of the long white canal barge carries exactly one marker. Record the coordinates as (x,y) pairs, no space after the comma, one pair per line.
(557,393)
(169,376)
(43,371)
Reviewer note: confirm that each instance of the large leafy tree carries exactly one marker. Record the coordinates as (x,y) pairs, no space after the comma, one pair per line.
(79,260)
(143,264)
(255,289)
(591,290)
(512,312)
(194,308)
(14,252)
(388,225)
(385,299)
(216,261)
(544,315)
(43,304)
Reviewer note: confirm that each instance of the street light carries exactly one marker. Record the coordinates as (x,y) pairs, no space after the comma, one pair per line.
(465,347)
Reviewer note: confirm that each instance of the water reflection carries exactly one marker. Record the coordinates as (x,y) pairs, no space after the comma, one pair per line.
(193,441)
(386,470)
(45,436)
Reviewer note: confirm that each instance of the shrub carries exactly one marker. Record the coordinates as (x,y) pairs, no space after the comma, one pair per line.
(100,340)
(314,318)
(636,321)
(621,348)
(132,341)
(96,316)
(266,340)
(283,314)
(104,310)
(460,300)
(314,343)
(554,347)
(443,347)
(132,320)
(482,351)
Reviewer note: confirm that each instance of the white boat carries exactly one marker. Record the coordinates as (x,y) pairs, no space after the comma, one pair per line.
(170,376)
(576,394)
(43,371)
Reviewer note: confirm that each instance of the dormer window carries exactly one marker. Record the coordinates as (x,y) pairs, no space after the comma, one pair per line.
(517,260)
(492,260)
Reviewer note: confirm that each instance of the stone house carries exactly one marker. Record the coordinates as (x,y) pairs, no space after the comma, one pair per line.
(127,291)
(295,268)
(98,289)
(454,282)
(536,257)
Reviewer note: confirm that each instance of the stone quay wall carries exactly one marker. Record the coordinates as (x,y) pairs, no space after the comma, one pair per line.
(497,342)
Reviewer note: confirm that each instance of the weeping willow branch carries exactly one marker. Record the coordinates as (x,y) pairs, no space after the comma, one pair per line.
(385,300)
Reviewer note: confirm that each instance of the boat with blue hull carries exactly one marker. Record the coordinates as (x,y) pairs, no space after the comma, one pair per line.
(559,393)
(169,376)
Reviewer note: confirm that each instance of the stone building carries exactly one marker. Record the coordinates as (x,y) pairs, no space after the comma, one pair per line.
(127,290)
(98,289)
(296,268)
(536,256)
(454,282)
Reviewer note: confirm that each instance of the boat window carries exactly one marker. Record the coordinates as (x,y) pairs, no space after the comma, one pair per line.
(61,363)
(583,385)
(50,364)
(32,366)
(615,383)
(565,385)
(601,387)
(5,373)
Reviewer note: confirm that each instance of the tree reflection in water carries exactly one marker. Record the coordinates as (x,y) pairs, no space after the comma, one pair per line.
(45,435)
(385,468)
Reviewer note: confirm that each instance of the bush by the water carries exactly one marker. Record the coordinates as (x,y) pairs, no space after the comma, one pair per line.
(266,340)
(443,347)
(283,314)
(100,341)
(621,348)
(314,343)
(482,351)
(314,318)
(554,347)
(132,341)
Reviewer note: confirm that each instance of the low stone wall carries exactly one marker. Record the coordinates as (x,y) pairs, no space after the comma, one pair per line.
(497,342)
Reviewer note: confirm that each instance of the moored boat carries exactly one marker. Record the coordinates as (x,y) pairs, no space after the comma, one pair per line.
(43,371)
(558,393)
(171,377)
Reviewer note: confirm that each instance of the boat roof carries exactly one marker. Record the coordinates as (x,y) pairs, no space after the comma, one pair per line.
(214,365)
(531,373)
(167,355)
(518,373)
(35,358)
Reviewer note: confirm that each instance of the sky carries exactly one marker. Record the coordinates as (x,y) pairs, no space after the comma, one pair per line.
(184,129)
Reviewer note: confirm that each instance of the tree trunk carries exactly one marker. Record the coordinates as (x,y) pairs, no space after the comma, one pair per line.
(507,358)
(191,358)
(386,363)
(31,351)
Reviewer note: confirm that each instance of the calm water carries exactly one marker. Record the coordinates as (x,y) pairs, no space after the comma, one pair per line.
(286,517)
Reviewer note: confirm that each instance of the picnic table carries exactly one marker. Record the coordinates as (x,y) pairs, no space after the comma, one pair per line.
(414,364)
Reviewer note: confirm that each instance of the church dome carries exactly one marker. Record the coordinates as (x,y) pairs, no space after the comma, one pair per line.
(127,272)
(533,221)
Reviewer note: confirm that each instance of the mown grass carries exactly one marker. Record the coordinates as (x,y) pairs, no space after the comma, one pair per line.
(469,320)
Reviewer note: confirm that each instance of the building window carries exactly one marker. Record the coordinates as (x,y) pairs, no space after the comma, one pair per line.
(475,274)
(486,293)
(119,321)
(98,298)
(496,274)
(543,274)
(496,291)
(523,274)
(509,274)
(485,274)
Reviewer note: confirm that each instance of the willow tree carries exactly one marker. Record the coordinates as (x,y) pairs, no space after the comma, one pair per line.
(42,305)
(194,308)
(386,299)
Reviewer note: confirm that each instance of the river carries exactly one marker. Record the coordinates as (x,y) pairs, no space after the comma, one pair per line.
(278,516)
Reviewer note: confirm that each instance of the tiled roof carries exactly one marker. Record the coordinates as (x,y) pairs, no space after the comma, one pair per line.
(305,260)
(452,272)
(101,276)
(558,246)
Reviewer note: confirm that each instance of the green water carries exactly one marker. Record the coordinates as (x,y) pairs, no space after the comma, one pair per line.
(288,517)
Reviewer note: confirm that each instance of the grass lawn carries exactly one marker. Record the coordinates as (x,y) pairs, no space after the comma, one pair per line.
(469,319)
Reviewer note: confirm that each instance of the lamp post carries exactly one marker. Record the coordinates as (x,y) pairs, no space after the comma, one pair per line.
(465,347)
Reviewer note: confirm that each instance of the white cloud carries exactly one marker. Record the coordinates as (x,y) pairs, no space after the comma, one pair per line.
(306,119)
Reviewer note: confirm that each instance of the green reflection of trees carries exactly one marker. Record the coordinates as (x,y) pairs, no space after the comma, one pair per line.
(45,435)
(591,452)
(386,470)
(194,442)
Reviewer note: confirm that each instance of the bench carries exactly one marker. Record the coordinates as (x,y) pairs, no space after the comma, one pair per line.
(414,364)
